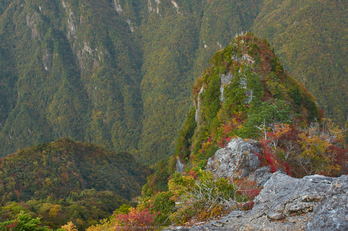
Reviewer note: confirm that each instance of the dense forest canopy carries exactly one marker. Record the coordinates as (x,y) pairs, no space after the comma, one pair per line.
(66,181)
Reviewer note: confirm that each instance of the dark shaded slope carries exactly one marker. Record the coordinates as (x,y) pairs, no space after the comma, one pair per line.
(170,41)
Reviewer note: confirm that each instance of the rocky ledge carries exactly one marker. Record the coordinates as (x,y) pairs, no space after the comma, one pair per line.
(285,203)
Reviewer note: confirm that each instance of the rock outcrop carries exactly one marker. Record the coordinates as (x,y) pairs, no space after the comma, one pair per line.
(238,159)
(286,203)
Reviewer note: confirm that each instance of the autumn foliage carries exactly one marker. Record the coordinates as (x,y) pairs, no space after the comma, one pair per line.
(246,92)
(318,149)
(66,181)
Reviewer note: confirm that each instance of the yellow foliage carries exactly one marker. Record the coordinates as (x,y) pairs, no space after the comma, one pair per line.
(69,227)
(181,189)
(206,145)
(281,129)
(216,211)
(54,210)
(49,183)
(316,144)
(105,225)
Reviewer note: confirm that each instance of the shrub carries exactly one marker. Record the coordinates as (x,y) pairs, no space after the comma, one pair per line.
(318,149)
(163,206)
(136,220)
(204,198)
(68,227)
(23,222)
(323,149)
(124,209)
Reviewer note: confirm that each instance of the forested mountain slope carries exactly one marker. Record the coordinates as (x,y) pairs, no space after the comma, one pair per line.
(79,181)
(64,167)
(119,73)
(244,89)
(311,39)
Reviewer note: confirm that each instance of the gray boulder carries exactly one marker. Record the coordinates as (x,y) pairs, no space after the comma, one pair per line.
(260,175)
(236,160)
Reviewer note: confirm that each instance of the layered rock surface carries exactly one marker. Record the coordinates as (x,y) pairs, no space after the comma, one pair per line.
(286,203)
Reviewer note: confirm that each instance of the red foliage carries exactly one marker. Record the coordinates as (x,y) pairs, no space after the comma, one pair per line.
(227,128)
(248,205)
(268,154)
(228,139)
(341,158)
(291,135)
(193,174)
(269,157)
(247,188)
(13,225)
(258,155)
(136,220)
(287,168)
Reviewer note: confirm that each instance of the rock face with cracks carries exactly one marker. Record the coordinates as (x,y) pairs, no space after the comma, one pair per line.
(238,159)
(286,203)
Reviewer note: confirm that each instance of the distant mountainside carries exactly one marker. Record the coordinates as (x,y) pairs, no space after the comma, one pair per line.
(118,73)
(311,39)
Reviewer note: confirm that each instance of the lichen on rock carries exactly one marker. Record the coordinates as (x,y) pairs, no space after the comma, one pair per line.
(236,160)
